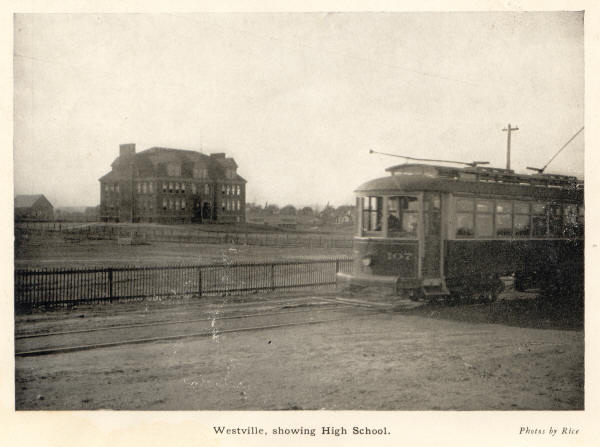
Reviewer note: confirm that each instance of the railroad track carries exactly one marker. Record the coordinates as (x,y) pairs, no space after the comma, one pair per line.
(178,313)
(164,323)
(36,344)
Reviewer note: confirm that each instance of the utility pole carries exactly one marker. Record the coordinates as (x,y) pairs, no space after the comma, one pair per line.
(509,130)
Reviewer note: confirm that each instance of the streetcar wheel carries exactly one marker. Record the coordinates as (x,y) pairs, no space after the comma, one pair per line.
(453,299)
(489,296)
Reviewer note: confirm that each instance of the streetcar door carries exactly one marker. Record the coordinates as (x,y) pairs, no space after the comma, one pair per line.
(432,234)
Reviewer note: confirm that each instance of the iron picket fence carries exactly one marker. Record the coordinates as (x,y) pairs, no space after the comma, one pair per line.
(70,286)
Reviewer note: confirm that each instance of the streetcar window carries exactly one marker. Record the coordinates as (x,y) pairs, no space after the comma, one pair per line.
(555,220)
(503,218)
(372,209)
(522,225)
(403,217)
(539,219)
(432,203)
(484,225)
(464,205)
(431,207)
(484,218)
(503,207)
(522,221)
(503,224)
(571,221)
(485,206)
(465,225)
(570,214)
(538,208)
(521,208)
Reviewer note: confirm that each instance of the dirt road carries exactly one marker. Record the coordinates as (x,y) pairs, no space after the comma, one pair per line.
(426,360)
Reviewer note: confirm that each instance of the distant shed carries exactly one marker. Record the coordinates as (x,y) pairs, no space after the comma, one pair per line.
(33,207)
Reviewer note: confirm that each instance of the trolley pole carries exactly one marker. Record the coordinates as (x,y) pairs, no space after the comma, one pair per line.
(509,130)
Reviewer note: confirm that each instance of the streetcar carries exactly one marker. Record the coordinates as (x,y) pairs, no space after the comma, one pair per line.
(428,232)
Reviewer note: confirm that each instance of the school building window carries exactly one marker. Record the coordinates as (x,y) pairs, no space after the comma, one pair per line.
(174,170)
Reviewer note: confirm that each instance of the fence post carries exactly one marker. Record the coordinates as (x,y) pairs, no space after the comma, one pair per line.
(110,284)
(337,266)
(199,281)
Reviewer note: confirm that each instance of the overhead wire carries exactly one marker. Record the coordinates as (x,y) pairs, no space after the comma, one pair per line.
(559,151)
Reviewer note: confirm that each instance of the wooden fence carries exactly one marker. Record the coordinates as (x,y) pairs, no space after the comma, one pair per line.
(68,286)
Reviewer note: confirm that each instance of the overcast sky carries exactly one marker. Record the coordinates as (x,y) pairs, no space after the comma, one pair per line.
(298,99)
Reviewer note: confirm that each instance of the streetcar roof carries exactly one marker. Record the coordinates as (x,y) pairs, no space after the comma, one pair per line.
(494,181)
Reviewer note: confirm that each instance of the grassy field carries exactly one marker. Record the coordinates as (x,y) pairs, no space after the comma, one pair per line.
(53,252)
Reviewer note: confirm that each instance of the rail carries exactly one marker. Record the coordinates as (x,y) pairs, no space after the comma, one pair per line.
(71,286)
